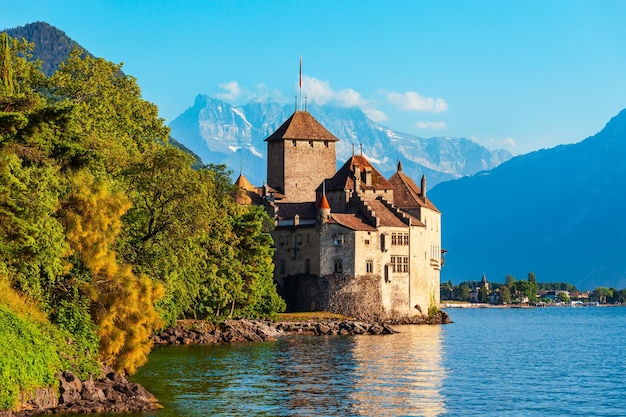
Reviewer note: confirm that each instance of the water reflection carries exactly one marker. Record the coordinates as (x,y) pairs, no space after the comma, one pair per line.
(393,375)
(400,374)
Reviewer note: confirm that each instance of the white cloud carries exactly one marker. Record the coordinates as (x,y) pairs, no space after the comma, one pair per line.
(322,93)
(431,125)
(376,115)
(233,91)
(413,101)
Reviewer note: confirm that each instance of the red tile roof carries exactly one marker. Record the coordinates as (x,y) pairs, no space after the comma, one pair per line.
(351,221)
(343,178)
(301,125)
(407,194)
(305,210)
(386,216)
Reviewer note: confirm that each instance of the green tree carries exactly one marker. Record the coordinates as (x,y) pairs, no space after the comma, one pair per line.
(533,288)
(601,294)
(505,294)
(483,295)
(562,297)
(461,293)
(520,291)
(510,281)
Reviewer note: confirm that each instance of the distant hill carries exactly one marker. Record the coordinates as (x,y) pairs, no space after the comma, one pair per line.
(233,135)
(52,46)
(556,212)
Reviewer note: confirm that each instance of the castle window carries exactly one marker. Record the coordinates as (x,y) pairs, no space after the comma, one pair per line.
(311,143)
(385,242)
(405,239)
(293,142)
(400,264)
(369,266)
(338,266)
(394,239)
(298,239)
(367,241)
(338,240)
(393,263)
(326,143)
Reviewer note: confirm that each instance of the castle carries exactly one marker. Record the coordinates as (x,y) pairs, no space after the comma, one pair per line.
(347,241)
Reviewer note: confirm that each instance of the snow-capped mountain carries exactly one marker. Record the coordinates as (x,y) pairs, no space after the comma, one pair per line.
(233,135)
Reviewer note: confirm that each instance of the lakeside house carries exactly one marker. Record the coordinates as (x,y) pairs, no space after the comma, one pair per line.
(348,241)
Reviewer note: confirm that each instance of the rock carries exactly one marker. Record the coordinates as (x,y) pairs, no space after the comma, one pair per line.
(91,392)
(70,388)
(376,329)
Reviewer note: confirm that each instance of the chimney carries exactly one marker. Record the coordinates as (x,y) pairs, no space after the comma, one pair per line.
(368,176)
(356,173)
(423,186)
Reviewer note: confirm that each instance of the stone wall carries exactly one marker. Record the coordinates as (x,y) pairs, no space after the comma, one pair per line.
(306,293)
(307,164)
(358,297)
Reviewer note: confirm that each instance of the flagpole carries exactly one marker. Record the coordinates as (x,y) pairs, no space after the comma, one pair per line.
(300,82)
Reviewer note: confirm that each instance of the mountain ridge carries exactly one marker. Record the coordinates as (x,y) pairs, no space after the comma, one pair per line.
(216,130)
(552,212)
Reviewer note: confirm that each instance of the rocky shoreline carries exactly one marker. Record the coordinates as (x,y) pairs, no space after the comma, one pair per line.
(115,393)
(111,393)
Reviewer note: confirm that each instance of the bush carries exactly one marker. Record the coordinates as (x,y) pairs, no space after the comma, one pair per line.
(29,358)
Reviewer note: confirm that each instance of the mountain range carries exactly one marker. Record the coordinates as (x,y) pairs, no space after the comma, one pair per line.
(555,212)
(221,133)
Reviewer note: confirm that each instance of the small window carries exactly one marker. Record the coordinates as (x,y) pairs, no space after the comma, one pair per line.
(311,143)
(338,240)
(369,266)
(293,142)
(405,238)
(338,266)
(367,241)
(326,143)
(405,264)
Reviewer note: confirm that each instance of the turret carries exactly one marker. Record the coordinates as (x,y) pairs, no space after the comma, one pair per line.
(323,211)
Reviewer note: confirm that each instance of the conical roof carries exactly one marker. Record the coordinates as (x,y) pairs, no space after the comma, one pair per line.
(244,183)
(301,125)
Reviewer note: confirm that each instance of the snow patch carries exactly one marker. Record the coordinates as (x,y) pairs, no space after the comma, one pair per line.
(239,113)
(255,152)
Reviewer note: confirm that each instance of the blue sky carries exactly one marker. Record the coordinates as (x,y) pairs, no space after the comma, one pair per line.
(520,75)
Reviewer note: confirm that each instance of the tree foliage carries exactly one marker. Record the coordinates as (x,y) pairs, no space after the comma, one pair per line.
(107,228)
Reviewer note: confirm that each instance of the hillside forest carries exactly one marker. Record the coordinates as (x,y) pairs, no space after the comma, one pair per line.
(107,232)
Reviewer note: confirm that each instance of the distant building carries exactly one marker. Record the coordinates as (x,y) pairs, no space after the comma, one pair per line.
(475,293)
(348,241)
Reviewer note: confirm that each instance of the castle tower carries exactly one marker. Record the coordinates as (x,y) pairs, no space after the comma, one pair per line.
(300,155)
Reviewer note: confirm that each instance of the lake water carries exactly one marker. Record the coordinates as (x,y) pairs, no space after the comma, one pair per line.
(489,362)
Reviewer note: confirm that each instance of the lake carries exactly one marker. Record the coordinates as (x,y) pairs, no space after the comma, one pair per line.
(489,362)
